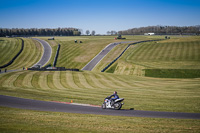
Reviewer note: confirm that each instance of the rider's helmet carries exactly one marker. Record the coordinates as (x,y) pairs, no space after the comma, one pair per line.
(115,93)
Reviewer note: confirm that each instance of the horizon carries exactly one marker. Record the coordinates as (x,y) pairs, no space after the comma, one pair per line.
(100,16)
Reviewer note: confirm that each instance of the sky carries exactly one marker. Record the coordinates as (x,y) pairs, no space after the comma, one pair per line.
(98,15)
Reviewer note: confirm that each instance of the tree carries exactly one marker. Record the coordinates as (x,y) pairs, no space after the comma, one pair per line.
(108,32)
(113,32)
(93,33)
(87,32)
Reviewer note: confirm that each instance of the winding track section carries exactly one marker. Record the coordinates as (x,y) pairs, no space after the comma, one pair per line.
(21,103)
(46,54)
(45,57)
(101,55)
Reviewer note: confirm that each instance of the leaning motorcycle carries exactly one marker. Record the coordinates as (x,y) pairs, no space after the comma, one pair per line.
(116,105)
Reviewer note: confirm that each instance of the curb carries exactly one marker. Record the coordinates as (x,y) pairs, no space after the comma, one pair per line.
(80,104)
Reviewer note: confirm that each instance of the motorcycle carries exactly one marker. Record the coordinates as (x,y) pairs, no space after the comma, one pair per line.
(109,104)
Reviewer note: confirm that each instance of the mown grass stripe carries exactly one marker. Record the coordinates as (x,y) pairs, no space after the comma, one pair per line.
(83,81)
(70,80)
(147,51)
(35,81)
(63,80)
(10,81)
(153,51)
(96,81)
(32,55)
(43,82)
(50,80)
(138,50)
(109,83)
(11,47)
(7,48)
(101,79)
(68,54)
(19,80)
(77,80)
(57,80)
(27,81)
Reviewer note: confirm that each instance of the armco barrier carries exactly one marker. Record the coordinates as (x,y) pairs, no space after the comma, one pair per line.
(56,57)
(52,69)
(13,59)
(103,70)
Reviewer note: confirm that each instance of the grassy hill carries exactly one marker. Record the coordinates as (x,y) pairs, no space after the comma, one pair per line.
(140,93)
(92,87)
(77,55)
(9,47)
(30,55)
(177,53)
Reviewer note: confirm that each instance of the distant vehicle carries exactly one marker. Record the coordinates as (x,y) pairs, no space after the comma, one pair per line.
(149,34)
(51,38)
(37,66)
(120,37)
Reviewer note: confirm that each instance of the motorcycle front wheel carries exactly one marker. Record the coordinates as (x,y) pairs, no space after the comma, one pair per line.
(103,106)
(117,106)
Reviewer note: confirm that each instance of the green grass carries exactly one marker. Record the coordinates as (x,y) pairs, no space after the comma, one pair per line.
(140,93)
(177,53)
(176,95)
(17,120)
(9,47)
(173,73)
(30,55)
(112,69)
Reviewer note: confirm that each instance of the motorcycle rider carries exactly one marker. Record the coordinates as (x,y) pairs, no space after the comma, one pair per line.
(113,99)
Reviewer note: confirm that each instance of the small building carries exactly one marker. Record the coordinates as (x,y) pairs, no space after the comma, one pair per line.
(149,34)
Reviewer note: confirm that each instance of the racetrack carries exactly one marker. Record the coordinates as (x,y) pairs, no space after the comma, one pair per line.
(21,103)
(46,54)
(101,55)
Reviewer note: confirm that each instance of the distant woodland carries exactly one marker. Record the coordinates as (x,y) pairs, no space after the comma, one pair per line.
(158,30)
(39,32)
(163,30)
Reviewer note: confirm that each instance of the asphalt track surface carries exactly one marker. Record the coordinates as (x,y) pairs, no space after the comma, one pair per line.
(101,55)
(46,54)
(14,102)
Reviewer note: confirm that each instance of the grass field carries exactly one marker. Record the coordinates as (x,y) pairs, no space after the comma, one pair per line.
(30,55)
(16,120)
(176,53)
(140,93)
(9,47)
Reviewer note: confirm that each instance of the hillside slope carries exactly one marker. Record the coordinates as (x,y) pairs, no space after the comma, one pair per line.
(177,53)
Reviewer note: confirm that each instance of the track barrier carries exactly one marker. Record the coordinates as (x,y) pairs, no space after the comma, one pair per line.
(53,69)
(56,57)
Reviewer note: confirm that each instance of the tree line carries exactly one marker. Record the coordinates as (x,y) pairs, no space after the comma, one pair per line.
(163,30)
(39,32)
